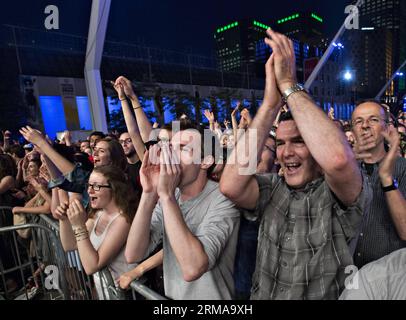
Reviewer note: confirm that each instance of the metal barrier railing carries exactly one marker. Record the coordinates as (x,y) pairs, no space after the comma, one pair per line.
(73,282)
(24,264)
(81,285)
(146,292)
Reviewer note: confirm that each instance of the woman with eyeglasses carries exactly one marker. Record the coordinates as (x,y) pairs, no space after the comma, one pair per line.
(100,235)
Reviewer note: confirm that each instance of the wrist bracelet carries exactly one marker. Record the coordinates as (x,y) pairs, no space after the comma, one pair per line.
(82,237)
(79,229)
(137,108)
(122,99)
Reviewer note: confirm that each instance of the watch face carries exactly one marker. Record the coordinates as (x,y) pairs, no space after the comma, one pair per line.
(395,183)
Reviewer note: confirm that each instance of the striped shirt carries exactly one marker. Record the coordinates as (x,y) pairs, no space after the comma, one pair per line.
(303,241)
(378,236)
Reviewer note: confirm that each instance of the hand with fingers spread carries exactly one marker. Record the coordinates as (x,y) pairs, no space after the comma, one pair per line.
(387,165)
(60,212)
(169,176)
(127,87)
(209,116)
(226,124)
(149,172)
(32,135)
(283,59)
(76,214)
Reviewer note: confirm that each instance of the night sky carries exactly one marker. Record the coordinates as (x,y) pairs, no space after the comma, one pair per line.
(176,25)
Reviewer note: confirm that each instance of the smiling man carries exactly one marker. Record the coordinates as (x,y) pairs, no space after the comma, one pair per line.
(311,215)
(384,228)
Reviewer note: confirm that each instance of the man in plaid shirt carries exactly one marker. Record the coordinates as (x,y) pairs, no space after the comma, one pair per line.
(310,217)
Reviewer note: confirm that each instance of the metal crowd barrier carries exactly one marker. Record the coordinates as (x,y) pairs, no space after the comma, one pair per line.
(30,268)
(48,259)
(110,292)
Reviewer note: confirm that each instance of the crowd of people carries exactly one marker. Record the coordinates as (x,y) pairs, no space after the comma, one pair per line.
(324,194)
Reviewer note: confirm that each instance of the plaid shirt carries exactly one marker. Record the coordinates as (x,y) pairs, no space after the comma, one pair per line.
(303,241)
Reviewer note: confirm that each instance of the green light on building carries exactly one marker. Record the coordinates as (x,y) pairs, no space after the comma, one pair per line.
(316,17)
(289,18)
(229,26)
(259,24)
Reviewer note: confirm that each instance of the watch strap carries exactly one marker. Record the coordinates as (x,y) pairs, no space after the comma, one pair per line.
(393,186)
(288,92)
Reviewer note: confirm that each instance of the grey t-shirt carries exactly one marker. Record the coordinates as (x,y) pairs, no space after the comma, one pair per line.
(383,279)
(214,220)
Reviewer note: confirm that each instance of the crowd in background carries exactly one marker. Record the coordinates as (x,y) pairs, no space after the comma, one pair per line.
(134,201)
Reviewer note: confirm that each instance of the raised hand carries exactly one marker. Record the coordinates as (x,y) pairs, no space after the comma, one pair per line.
(209,116)
(119,89)
(32,135)
(68,137)
(243,123)
(331,113)
(60,211)
(149,172)
(226,123)
(237,108)
(127,87)
(246,115)
(283,60)
(169,176)
(76,214)
(387,165)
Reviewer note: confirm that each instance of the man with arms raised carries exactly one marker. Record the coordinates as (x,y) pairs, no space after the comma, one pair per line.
(311,214)
(198,224)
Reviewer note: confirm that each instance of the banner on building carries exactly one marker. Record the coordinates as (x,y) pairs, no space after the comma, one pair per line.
(68,94)
(29,88)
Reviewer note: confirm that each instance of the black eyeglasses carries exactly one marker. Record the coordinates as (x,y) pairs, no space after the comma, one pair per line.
(126,141)
(97,187)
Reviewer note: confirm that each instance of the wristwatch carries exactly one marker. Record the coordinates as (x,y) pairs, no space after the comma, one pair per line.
(296,88)
(393,186)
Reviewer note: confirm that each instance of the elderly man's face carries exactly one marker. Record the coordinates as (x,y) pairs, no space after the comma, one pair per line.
(368,121)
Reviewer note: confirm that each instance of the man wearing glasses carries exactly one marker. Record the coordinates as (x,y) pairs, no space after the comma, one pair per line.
(384,227)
